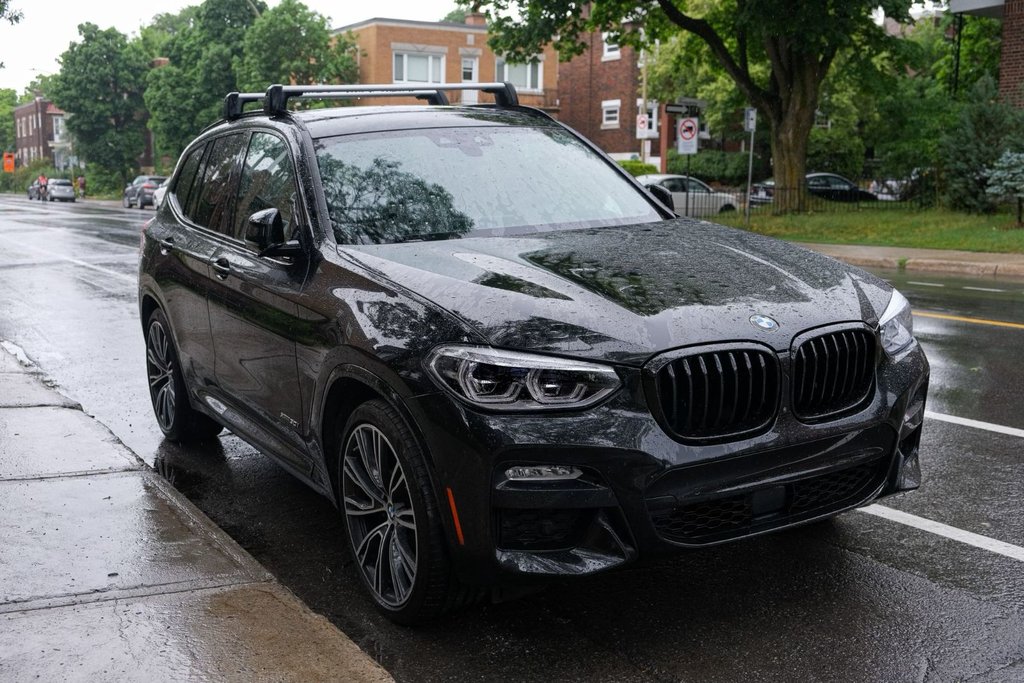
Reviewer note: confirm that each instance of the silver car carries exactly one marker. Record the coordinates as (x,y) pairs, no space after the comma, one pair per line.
(60,190)
(690,196)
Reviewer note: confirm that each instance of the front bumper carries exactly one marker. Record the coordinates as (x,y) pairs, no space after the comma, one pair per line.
(643,493)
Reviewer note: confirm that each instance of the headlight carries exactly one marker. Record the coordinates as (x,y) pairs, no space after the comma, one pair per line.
(509,380)
(896,325)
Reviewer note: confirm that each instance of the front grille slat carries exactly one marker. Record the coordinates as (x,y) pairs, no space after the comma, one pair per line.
(718,394)
(840,365)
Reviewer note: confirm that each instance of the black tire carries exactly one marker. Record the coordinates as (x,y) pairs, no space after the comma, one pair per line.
(125,202)
(177,419)
(728,208)
(378,516)
(140,205)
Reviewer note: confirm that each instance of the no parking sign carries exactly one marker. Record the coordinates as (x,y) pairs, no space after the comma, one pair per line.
(687,132)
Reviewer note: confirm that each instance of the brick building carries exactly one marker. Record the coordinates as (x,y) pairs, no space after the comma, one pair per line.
(1011,61)
(403,51)
(40,133)
(600,96)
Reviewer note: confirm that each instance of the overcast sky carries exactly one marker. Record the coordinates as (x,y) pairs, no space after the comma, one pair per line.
(33,45)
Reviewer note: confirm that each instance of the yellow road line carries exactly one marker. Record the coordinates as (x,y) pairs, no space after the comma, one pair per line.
(962,319)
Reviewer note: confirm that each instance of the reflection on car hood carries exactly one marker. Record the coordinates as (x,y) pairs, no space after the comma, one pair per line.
(626,293)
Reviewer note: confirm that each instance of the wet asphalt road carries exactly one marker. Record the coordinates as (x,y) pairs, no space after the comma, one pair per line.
(860,599)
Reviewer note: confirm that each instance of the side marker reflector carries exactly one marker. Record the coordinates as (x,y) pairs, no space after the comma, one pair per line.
(455,517)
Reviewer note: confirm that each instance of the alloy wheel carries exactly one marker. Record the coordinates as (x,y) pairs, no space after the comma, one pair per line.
(379,513)
(160,367)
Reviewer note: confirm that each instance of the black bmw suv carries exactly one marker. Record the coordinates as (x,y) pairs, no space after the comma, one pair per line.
(501,357)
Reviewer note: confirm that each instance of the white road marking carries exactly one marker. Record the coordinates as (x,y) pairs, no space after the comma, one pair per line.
(77,262)
(984,289)
(946,531)
(977,424)
(925,284)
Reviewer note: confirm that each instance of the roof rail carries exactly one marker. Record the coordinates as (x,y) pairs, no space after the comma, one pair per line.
(275,101)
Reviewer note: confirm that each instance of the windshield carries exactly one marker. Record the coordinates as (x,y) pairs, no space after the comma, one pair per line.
(446,183)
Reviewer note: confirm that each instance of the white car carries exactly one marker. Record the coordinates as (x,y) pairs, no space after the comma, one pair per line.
(158,194)
(691,196)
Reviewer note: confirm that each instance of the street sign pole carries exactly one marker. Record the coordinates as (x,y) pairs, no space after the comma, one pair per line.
(750,123)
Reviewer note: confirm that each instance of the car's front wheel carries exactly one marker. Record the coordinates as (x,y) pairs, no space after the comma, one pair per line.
(178,420)
(393,523)
(125,202)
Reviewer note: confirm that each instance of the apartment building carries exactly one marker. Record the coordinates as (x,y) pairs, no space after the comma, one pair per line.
(601,97)
(40,133)
(414,52)
(1011,62)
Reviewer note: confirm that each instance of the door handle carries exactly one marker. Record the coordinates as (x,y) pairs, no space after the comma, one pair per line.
(221,267)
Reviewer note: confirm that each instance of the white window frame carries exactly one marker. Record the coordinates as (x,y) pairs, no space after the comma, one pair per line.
(611,114)
(610,51)
(501,73)
(405,54)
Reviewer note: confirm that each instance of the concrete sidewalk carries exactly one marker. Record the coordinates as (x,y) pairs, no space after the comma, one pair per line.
(107,573)
(967,263)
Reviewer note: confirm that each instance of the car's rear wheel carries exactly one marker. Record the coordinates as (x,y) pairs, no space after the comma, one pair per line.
(178,420)
(393,524)
(728,208)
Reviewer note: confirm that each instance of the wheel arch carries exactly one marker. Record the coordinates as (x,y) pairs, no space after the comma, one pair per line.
(347,387)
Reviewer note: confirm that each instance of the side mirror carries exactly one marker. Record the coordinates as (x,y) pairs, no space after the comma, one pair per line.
(265,232)
(662,195)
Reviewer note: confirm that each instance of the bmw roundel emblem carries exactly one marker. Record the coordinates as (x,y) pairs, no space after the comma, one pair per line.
(764,322)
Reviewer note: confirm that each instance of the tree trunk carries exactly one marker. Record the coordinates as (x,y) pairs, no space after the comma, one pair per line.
(791,119)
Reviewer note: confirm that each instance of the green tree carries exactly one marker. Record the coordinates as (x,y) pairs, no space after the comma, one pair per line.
(1006,181)
(157,35)
(456,16)
(777,52)
(39,86)
(100,86)
(292,44)
(986,129)
(8,101)
(8,14)
(188,95)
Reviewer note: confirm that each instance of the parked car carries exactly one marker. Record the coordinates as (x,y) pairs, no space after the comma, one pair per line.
(499,356)
(158,194)
(36,190)
(828,186)
(60,190)
(691,197)
(140,192)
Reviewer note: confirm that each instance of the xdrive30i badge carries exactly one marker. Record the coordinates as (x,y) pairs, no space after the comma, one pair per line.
(764,322)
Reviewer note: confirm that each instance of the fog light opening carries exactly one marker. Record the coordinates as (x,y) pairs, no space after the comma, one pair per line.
(543,473)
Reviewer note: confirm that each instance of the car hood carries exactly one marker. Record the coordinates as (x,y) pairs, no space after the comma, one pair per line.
(623,294)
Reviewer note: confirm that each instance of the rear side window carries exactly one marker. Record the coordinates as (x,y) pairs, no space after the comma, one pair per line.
(186,179)
(213,202)
(267,182)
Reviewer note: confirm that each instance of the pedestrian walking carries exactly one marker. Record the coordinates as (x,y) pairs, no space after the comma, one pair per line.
(81,186)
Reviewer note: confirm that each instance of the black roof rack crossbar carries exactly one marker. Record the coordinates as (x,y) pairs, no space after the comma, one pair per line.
(235,102)
(276,99)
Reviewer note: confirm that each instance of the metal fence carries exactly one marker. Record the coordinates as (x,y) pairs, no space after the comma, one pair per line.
(771,200)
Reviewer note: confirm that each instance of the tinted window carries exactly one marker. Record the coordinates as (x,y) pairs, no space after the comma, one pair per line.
(183,185)
(267,182)
(674,184)
(696,185)
(445,183)
(214,199)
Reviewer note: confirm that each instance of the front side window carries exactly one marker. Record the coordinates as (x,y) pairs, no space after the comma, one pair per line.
(447,183)
(528,76)
(214,198)
(267,181)
(413,67)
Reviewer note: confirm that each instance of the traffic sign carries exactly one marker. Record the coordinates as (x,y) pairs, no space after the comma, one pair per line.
(643,129)
(8,162)
(750,119)
(687,133)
